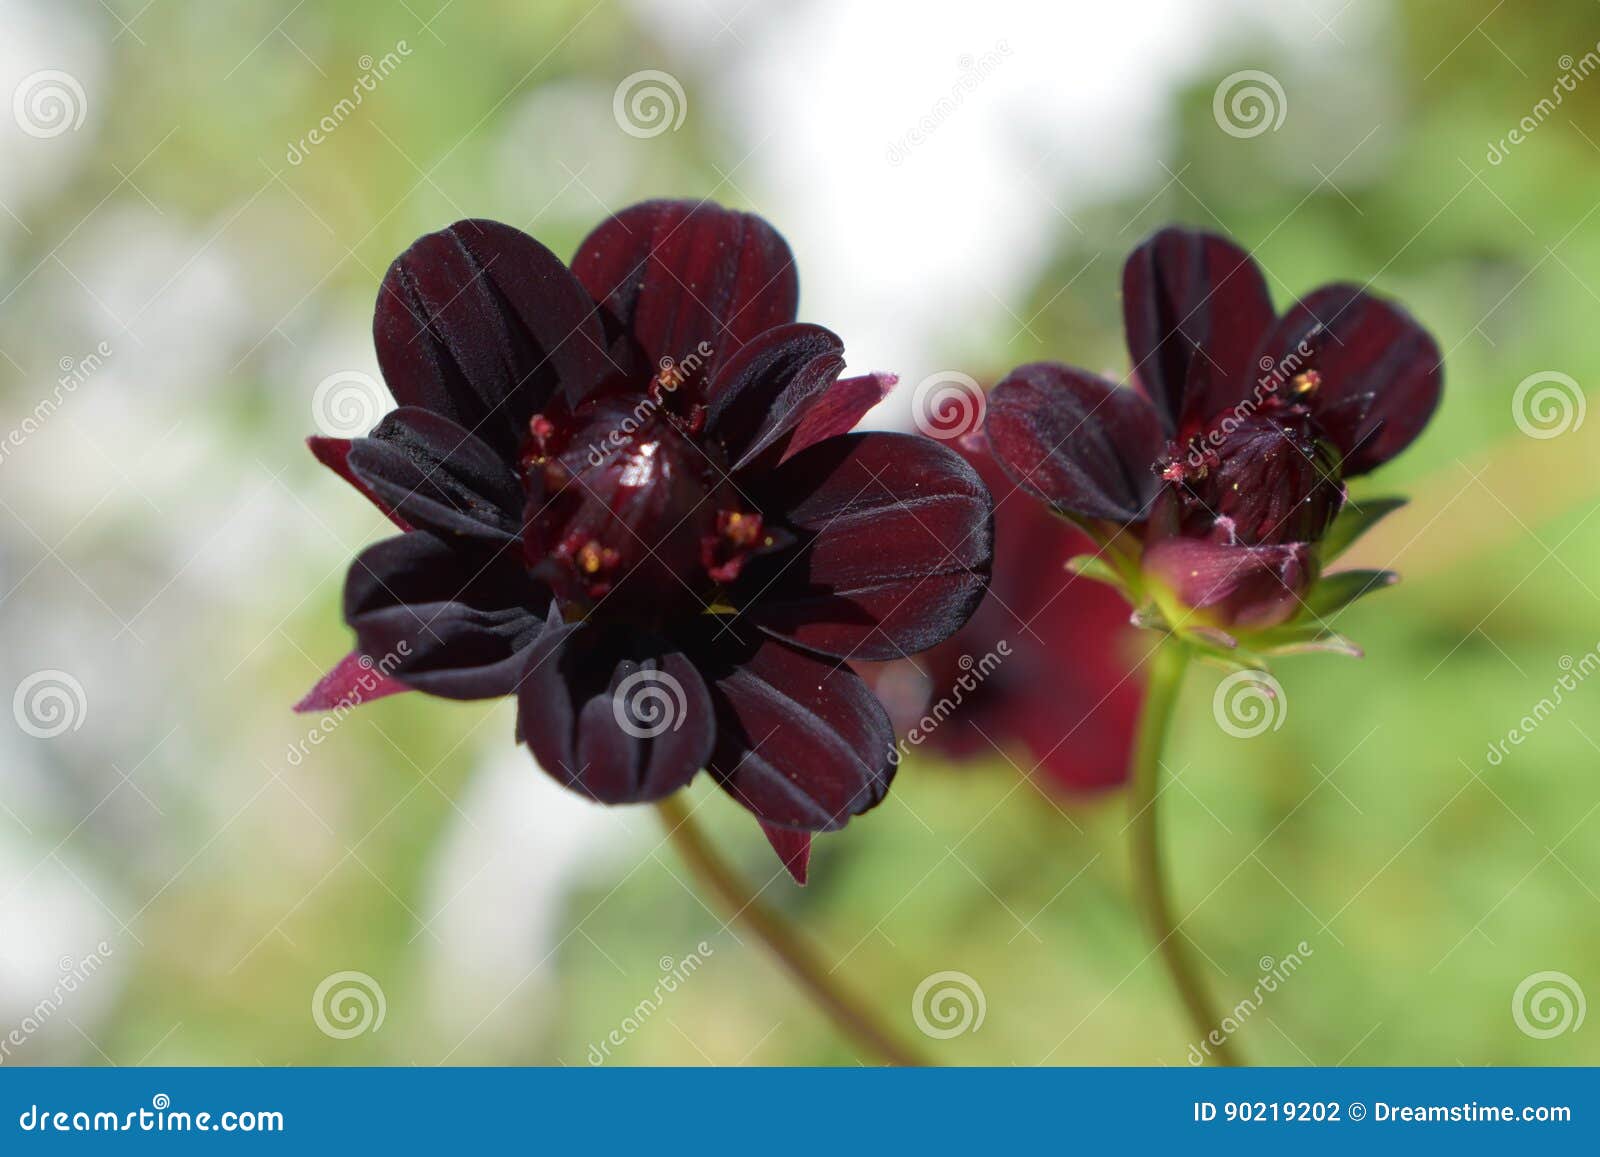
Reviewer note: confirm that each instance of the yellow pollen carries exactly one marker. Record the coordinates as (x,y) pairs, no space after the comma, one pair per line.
(1306,383)
(589,558)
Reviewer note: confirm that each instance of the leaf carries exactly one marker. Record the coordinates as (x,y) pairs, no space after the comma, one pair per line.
(1354,521)
(1337,591)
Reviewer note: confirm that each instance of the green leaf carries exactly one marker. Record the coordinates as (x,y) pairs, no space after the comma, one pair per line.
(1093,566)
(1354,521)
(1337,591)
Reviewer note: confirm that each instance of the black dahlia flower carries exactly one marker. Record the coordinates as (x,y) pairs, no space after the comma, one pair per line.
(630,498)
(1216,486)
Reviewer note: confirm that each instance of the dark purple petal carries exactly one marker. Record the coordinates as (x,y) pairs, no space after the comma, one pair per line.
(438,477)
(793,848)
(1380,372)
(334,453)
(480,324)
(450,623)
(618,716)
(353,681)
(1195,307)
(763,391)
(675,274)
(801,742)
(896,542)
(1244,587)
(838,410)
(1082,444)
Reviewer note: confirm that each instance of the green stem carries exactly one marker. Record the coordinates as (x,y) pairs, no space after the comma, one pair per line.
(797,956)
(1144,836)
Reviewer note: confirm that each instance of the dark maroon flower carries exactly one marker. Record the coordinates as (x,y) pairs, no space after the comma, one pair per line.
(1214,486)
(630,498)
(1045,664)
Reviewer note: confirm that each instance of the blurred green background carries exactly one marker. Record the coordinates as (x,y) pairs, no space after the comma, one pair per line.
(166,541)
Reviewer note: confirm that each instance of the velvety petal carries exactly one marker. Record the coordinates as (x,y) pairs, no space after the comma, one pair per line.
(334,453)
(1195,308)
(438,477)
(1381,373)
(895,550)
(353,681)
(1082,444)
(446,621)
(1044,670)
(615,715)
(838,410)
(676,274)
(801,742)
(763,391)
(480,324)
(1245,587)
(793,848)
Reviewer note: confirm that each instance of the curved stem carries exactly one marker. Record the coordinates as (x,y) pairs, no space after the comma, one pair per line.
(1144,835)
(798,957)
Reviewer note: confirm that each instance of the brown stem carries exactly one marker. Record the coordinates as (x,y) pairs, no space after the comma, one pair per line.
(851,1017)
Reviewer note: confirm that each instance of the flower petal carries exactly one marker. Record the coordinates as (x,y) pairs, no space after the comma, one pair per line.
(438,477)
(448,622)
(618,717)
(896,540)
(480,323)
(800,742)
(334,453)
(676,274)
(1195,308)
(838,410)
(1082,444)
(763,391)
(353,681)
(1244,587)
(1381,373)
(793,848)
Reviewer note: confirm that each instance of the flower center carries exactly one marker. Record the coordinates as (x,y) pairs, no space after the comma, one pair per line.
(630,514)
